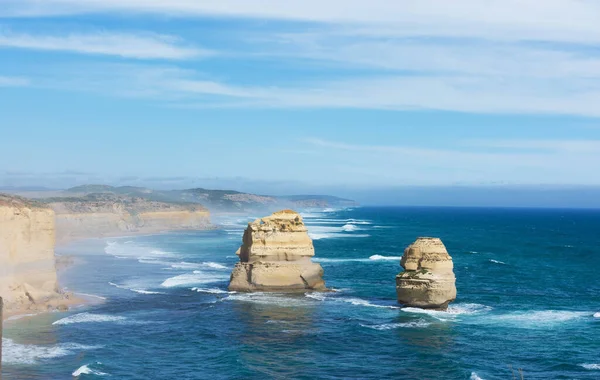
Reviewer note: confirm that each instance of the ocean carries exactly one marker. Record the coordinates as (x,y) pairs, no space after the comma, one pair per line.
(528,298)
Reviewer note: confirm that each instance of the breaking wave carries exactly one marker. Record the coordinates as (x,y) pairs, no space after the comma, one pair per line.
(351,300)
(14,353)
(140,291)
(89,318)
(270,299)
(590,366)
(497,262)
(538,319)
(130,249)
(453,310)
(197,277)
(86,370)
(379,257)
(390,326)
(319,236)
(211,290)
(363,302)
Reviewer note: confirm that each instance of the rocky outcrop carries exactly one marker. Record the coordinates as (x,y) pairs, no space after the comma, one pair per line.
(103,215)
(276,256)
(428,279)
(28,281)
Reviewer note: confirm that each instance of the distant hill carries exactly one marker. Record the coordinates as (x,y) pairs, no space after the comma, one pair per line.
(214,200)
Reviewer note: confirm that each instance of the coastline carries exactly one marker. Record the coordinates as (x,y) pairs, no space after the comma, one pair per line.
(68,300)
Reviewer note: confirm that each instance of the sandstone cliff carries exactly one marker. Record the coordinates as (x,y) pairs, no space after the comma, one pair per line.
(428,279)
(28,281)
(102,215)
(276,256)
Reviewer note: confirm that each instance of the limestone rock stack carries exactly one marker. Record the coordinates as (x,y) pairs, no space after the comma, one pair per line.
(428,279)
(28,280)
(276,256)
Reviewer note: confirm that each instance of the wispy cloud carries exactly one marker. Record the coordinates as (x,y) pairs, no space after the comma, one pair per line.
(138,46)
(552,20)
(6,81)
(188,88)
(473,56)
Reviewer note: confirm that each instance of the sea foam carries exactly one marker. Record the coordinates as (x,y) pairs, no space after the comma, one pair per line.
(538,319)
(453,310)
(89,318)
(591,366)
(211,290)
(197,277)
(379,257)
(363,302)
(390,326)
(275,299)
(139,291)
(86,370)
(14,353)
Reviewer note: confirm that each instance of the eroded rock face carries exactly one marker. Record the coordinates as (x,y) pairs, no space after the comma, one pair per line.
(103,215)
(428,279)
(28,280)
(276,256)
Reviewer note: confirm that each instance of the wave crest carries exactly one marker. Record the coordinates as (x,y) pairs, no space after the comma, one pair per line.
(86,370)
(89,318)
(15,353)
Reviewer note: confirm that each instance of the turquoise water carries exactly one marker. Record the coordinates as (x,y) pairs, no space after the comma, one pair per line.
(527,284)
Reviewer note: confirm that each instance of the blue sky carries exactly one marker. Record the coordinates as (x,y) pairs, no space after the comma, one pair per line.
(277,96)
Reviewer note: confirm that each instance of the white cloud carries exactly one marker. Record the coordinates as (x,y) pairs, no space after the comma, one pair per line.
(139,46)
(190,89)
(477,56)
(550,20)
(13,81)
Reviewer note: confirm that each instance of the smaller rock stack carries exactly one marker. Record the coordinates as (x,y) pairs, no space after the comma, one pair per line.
(428,280)
(276,256)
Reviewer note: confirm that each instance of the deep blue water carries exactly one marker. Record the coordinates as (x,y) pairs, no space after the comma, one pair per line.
(527,292)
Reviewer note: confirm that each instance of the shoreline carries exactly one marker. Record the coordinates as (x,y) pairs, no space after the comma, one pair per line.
(67,300)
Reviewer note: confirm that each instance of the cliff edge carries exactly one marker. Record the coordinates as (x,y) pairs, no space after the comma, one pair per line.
(103,215)
(275,255)
(28,281)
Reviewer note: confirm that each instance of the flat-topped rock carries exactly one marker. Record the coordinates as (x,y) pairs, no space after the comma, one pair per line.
(275,256)
(428,279)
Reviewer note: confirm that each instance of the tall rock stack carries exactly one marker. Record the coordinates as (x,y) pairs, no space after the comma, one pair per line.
(276,256)
(428,279)
(28,280)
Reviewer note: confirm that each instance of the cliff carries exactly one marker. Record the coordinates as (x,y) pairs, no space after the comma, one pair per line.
(101,215)
(428,279)
(28,281)
(275,255)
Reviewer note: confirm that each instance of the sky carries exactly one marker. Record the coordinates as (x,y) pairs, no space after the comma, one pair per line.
(300,96)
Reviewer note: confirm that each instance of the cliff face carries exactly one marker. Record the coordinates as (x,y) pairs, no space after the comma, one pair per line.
(104,215)
(276,256)
(428,279)
(27,269)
